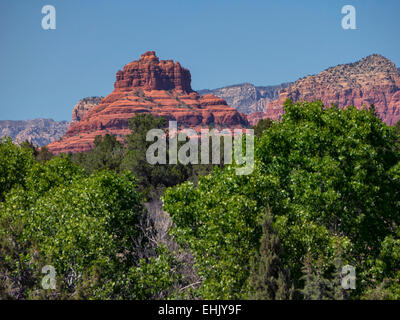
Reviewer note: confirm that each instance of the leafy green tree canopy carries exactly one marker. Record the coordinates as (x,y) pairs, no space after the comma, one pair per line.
(329,176)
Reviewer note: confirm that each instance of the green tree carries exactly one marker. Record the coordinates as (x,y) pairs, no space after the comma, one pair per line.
(44,154)
(218,222)
(315,285)
(269,280)
(330,178)
(320,284)
(397,128)
(86,226)
(107,153)
(261,126)
(17,277)
(385,270)
(150,177)
(335,183)
(14,163)
(30,146)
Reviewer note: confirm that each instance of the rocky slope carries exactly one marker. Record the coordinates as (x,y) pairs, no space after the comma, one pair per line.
(372,80)
(246,97)
(149,85)
(83,106)
(38,131)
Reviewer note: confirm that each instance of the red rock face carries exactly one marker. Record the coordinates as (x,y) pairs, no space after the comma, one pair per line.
(373,80)
(161,88)
(149,73)
(254,117)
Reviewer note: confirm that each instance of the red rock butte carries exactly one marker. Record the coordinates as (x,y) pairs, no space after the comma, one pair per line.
(372,80)
(149,85)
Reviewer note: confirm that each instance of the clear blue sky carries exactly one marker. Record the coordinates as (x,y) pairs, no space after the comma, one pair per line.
(222,42)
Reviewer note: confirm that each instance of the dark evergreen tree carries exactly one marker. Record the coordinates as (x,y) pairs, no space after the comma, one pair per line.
(397,127)
(107,153)
(261,126)
(152,179)
(269,279)
(320,284)
(44,154)
(30,146)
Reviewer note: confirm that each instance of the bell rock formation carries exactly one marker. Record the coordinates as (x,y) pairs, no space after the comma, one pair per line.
(148,85)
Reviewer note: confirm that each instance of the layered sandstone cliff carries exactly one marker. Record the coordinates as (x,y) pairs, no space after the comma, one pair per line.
(149,85)
(372,80)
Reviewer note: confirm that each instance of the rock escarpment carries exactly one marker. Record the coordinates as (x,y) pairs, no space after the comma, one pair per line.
(37,131)
(372,80)
(246,97)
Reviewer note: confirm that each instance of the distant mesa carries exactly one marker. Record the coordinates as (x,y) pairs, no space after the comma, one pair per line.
(372,80)
(148,85)
(39,132)
(246,97)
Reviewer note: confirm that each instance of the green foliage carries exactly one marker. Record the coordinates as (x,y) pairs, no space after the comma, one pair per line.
(269,280)
(331,179)
(154,278)
(385,270)
(261,126)
(14,163)
(17,277)
(320,284)
(86,226)
(388,289)
(397,127)
(59,171)
(335,181)
(107,153)
(150,177)
(30,146)
(43,154)
(218,221)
